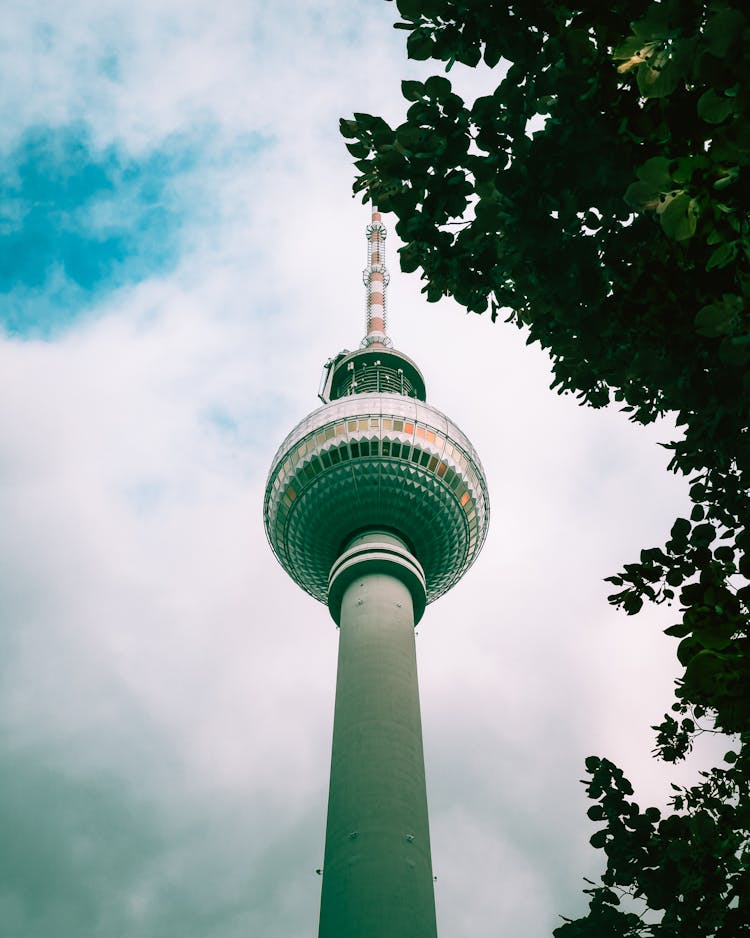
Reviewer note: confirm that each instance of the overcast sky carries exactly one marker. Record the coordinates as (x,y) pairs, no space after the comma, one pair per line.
(179,254)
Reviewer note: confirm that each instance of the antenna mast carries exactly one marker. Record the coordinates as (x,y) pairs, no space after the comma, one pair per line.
(376,279)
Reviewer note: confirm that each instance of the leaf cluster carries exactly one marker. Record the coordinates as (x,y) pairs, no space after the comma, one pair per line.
(600,197)
(689,867)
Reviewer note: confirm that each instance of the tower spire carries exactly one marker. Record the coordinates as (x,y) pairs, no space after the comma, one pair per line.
(376,279)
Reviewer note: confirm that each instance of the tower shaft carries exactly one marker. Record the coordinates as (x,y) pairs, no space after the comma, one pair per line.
(377,873)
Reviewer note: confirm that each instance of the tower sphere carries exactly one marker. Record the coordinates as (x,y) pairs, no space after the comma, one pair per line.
(376,456)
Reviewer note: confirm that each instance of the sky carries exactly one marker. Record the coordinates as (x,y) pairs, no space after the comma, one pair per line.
(179,254)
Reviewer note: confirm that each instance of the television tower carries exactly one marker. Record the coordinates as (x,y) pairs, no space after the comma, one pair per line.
(376,504)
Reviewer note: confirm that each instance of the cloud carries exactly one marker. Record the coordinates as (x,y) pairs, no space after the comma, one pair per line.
(78,222)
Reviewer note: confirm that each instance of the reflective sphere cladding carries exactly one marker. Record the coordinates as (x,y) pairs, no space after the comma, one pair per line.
(372,461)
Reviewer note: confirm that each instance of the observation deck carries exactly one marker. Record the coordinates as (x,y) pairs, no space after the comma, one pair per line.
(380,460)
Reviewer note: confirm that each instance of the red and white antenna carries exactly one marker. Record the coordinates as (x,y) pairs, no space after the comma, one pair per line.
(376,279)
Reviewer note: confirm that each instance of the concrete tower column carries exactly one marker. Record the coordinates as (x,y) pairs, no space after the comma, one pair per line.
(377,873)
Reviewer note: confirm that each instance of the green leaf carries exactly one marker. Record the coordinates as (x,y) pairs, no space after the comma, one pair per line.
(702,670)
(360,150)
(409,9)
(409,261)
(412,137)
(348,128)
(687,649)
(609,897)
(679,217)
(730,757)
(437,87)
(412,90)
(718,318)
(682,173)
(722,255)
(680,529)
(641,195)
(675,577)
(364,121)
(714,108)
(655,173)
(630,52)
(729,177)
(654,178)
(599,839)
(419,44)
(703,534)
(725,554)
(492,53)
(678,631)
(657,83)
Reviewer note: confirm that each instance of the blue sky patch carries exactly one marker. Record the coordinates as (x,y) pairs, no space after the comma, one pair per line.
(77,222)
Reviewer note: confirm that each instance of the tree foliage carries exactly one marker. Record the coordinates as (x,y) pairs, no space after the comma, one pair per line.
(599,196)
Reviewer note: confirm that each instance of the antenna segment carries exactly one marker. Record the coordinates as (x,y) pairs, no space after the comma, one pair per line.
(376,279)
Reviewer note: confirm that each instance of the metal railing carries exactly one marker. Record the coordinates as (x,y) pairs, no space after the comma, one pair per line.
(376,379)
